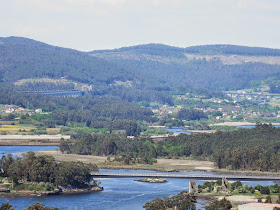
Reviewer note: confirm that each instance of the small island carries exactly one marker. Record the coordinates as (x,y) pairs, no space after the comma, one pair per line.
(152,180)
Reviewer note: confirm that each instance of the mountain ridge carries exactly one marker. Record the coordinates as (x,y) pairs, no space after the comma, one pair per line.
(199,49)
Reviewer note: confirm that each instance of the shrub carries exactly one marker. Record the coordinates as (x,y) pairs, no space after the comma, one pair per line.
(265,190)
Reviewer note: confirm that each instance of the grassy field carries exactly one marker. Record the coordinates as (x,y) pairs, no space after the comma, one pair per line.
(12,129)
(161,165)
(52,131)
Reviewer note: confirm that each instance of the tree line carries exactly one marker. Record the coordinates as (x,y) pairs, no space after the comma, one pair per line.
(129,150)
(253,149)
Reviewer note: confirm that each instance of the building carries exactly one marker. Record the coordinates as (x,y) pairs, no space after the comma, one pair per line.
(258,206)
(38,110)
(20,109)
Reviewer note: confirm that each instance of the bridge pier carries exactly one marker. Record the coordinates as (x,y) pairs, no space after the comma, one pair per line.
(192,186)
(224,184)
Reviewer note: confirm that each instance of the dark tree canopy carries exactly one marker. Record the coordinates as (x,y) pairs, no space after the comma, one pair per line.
(183,201)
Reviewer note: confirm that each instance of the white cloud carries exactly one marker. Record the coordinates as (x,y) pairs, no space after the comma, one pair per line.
(31,30)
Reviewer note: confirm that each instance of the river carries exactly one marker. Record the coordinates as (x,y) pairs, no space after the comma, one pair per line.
(118,194)
(181,130)
(4,150)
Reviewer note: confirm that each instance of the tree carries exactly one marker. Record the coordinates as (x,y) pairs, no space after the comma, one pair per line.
(6,206)
(265,190)
(43,169)
(223,204)
(268,199)
(39,206)
(278,200)
(183,201)
(73,174)
(191,114)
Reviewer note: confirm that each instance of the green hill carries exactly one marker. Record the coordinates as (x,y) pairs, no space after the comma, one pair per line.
(25,58)
(211,67)
(143,72)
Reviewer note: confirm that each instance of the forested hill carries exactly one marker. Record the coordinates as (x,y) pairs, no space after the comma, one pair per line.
(233,50)
(144,72)
(25,58)
(210,67)
(218,49)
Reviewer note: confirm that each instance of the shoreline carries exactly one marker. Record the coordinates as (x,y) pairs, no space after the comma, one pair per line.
(238,124)
(32,140)
(163,165)
(14,194)
(197,170)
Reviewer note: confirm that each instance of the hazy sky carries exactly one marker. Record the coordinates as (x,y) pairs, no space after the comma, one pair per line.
(105,24)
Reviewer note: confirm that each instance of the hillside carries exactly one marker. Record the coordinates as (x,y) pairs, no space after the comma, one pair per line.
(144,72)
(210,67)
(25,58)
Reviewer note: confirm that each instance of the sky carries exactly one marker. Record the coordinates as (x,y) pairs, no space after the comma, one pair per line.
(107,24)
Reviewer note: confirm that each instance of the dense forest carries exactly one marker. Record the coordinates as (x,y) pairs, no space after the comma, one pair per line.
(165,50)
(137,150)
(140,73)
(191,114)
(254,149)
(45,169)
(194,74)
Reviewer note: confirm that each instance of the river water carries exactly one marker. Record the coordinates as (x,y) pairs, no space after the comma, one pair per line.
(180,130)
(4,150)
(118,194)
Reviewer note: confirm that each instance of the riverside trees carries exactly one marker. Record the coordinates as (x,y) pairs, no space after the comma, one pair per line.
(253,149)
(45,169)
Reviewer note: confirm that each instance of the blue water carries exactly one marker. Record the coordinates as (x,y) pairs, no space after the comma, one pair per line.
(118,194)
(252,126)
(4,150)
(177,130)
(180,130)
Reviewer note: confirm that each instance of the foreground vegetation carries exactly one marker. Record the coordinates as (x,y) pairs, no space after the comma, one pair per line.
(35,206)
(183,200)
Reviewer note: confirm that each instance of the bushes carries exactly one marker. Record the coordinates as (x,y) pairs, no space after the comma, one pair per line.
(222,204)
(183,200)
(265,190)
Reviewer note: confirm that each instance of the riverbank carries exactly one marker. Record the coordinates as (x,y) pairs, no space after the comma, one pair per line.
(161,165)
(237,124)
(31,140)
(25,193)
(199,131)
(235,199)
(170,165)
